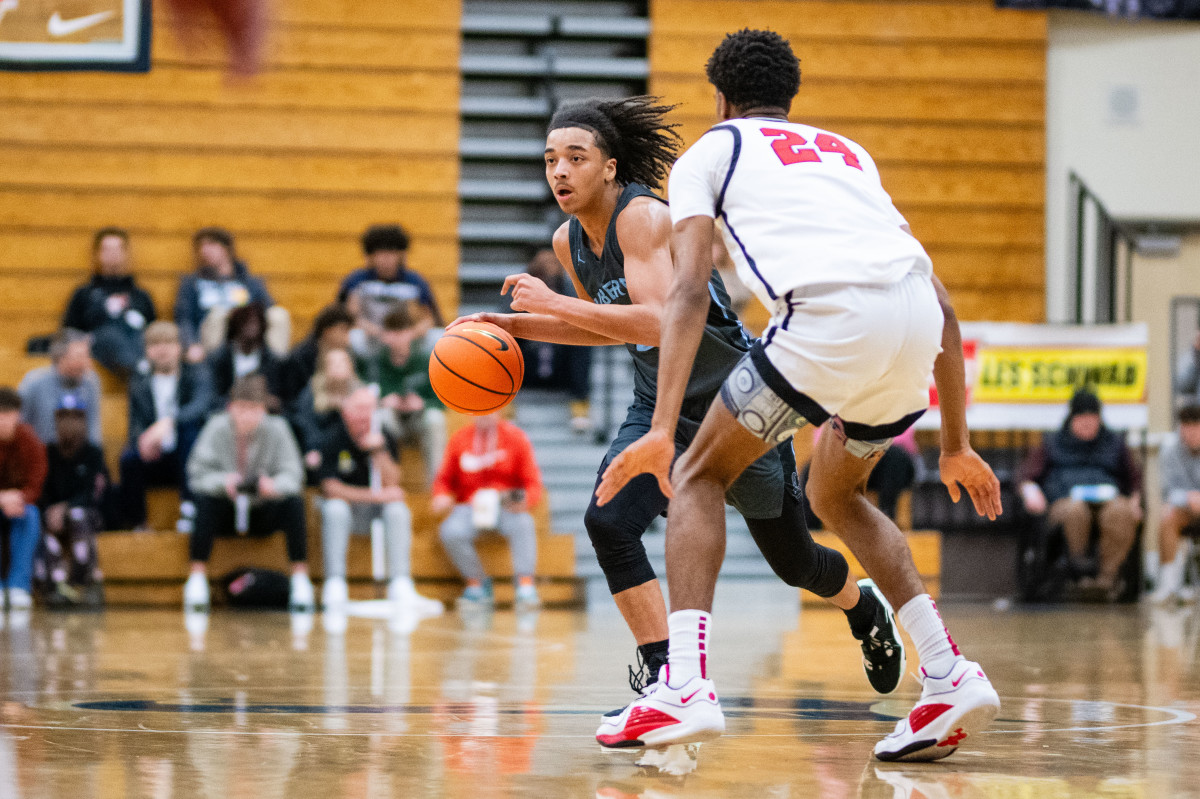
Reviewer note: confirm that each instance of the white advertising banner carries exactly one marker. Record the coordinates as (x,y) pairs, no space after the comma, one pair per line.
(1021,376)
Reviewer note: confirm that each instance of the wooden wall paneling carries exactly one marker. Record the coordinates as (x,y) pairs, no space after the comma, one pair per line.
(268,255)
(325,46)
(846,19)
(185,211)
(353,122)
(244,129)
(949,98)
(958,61)
(883,99)
(368,174)
(181,84)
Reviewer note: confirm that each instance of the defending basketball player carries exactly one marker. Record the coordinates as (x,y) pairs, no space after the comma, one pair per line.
(859,323)
(600,156)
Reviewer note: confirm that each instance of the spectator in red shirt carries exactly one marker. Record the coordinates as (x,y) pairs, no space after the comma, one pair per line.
(22,472)
(488,481)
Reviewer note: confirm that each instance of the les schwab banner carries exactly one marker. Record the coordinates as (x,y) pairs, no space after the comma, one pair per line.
(1023,375)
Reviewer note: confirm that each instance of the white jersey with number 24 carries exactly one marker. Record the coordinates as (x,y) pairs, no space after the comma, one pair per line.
(797,207)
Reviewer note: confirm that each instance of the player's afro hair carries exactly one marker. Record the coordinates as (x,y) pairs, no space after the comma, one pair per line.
(634,131)
(755,68)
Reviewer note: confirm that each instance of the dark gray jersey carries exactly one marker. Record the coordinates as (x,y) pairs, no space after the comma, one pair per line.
(603,278)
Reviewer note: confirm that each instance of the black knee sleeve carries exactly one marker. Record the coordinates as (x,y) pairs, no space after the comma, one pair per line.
(793,554)
(616,533)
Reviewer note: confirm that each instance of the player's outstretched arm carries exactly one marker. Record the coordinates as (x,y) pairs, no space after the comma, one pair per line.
(683,326)
(959,464)
(538,327)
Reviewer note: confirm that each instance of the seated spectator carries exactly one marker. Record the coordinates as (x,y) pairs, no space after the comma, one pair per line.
(400,368)
(488,481)
(317,410)
(1187,381)
(370,292)
(1179,470)
(220,283)
(22,474)
(1084,476)
(245,352)
(330,331)
(72,506)
(167,408)
(70,374)
(360,481)
(561,367)
(246,477)
(111,307)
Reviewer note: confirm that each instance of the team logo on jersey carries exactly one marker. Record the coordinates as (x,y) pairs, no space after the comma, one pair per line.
(611,291)
(345,462)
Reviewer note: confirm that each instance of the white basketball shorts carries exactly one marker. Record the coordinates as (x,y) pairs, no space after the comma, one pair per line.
(862,354)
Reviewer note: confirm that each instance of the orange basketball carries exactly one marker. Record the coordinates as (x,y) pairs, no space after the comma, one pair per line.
(476,368)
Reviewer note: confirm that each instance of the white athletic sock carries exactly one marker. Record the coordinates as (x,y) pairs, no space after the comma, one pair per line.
(688,654)
(935,647)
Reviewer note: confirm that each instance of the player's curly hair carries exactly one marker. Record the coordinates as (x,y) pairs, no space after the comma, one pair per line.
(755,68)
(634,131)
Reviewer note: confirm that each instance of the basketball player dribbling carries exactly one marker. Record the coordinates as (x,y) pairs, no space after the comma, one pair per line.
(600,155)
(859,323)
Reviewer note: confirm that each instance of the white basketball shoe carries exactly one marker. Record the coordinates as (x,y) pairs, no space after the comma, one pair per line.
(690,713)
(951,708)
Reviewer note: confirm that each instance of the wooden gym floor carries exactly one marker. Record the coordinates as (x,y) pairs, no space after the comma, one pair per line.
(1098,702)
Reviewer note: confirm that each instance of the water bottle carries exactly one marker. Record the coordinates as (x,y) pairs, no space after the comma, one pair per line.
(241,515)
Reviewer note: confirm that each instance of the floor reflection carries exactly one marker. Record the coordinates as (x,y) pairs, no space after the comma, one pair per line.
(152,705)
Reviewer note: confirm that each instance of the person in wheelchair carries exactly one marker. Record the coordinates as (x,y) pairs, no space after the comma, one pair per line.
(1083,479)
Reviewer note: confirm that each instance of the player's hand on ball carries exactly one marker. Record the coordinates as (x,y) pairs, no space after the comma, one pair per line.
(500,320)
(653,454)
(973,473)
(529,294)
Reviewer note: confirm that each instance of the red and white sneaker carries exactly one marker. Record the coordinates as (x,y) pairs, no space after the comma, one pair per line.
(688,714)
(951,708)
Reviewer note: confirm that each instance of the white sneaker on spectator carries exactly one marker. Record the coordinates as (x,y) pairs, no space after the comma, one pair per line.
(301,598)
(334,593)
(19,599)
(195,592)
(402,591)
(526,598)
(1170,581)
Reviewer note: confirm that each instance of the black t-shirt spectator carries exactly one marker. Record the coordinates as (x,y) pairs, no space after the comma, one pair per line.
(109,300)
(80,481)
(342,459)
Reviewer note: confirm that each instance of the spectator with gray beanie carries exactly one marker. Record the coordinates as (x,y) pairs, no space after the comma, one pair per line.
(69,377)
